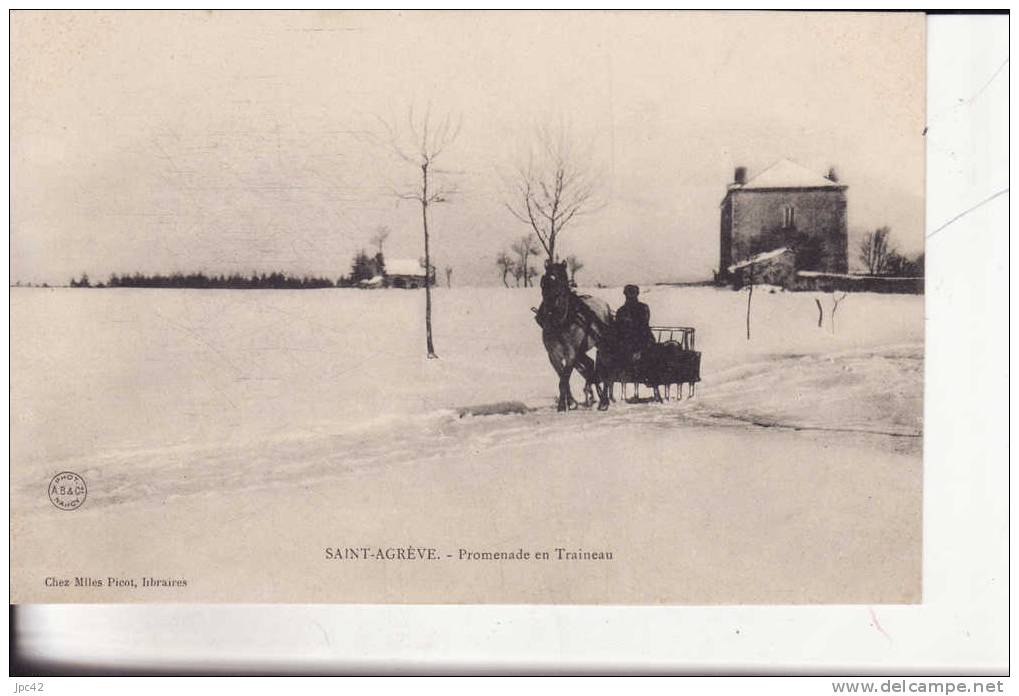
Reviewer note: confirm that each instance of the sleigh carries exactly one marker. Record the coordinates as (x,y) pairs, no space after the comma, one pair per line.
(671,360)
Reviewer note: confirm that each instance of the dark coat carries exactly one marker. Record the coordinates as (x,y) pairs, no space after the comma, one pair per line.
(633,325)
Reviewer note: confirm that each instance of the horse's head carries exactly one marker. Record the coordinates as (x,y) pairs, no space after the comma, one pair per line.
(556,280)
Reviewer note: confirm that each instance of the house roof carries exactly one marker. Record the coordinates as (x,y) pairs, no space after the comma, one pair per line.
(787,174)
(758,258)
(408,267)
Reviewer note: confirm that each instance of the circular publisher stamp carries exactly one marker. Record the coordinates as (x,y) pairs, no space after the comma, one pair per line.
(68,491)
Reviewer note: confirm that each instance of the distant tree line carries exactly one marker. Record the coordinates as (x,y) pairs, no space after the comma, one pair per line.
(234,281)
(363,267)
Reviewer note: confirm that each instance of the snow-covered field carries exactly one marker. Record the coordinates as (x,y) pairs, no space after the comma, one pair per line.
(228,437)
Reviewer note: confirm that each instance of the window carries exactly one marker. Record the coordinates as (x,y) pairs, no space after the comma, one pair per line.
(788,216)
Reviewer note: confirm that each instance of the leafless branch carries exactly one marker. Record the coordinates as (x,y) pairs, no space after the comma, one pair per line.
(834,308)
(552,190)
(420,145)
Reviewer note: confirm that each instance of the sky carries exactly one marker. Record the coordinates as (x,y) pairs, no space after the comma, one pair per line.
(237,141)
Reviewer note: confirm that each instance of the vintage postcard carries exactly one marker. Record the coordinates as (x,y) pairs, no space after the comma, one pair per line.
(467,307)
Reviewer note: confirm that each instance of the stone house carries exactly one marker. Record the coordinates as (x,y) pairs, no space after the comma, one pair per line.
(785,206)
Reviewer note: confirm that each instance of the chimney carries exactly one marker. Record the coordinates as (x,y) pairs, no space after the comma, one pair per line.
(833,175)
(741,176)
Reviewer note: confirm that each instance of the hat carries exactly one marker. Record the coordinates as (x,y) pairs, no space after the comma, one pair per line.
(631,291)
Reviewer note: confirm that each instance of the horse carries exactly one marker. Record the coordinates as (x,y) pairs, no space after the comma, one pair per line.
(571,326)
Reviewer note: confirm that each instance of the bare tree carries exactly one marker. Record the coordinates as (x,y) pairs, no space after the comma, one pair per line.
(518,272)
(421,144)
(573,264)
(525,248)
(551,189)
(529,275)
(876,251)
(834,307)
(381,235)
(449,276)
(505,264)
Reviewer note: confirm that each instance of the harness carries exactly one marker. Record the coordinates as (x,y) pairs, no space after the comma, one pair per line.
(573,309)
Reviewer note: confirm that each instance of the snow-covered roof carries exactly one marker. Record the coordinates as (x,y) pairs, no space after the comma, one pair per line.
(371,282)
(409,267)
(787,174)
(757,258)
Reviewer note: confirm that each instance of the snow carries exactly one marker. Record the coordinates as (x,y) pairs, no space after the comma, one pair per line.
(757,258)
(850,276)
(410,267)
(818,274)
(767,287)
(788,174)
(312,417)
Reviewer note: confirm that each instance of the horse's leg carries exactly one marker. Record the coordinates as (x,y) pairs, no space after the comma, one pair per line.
(565,389)
(588,393)
(658,394)
(571,403)
(604,388)
(570,361)
(602,382)
(566,400)
(565,397)
(585,366)
(559,365)
(569,365)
